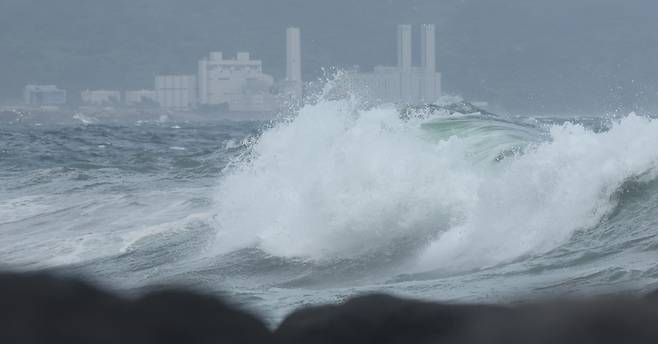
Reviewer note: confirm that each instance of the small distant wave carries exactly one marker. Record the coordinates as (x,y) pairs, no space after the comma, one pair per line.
(85,119)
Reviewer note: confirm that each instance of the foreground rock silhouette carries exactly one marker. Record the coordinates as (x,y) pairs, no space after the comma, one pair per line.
(386,320)
(40,308)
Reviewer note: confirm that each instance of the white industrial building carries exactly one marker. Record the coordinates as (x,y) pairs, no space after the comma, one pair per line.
(140,97)
(404,83)
(176,91)
(100,97)
(235,84)
(239,83)
(44,95)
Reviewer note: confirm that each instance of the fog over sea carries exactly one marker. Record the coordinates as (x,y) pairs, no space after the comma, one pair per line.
(336,201)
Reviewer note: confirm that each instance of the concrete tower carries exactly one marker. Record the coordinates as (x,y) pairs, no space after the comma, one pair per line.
(404,47)
(203,82)
(428,62)
(405,62)
(294,61)
(428,47)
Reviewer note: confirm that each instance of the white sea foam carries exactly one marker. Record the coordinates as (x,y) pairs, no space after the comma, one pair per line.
(337,182)
(535,202)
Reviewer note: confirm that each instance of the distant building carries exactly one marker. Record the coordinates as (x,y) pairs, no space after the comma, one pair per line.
(176,91)
(100,97)
(234,84)
(239,84)
(140,97)
(44,95)
(404,83)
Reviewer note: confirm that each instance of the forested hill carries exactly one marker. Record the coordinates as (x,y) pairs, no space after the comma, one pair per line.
(526,55)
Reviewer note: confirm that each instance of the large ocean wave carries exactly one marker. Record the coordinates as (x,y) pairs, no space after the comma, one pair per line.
(446,192)
(338,200)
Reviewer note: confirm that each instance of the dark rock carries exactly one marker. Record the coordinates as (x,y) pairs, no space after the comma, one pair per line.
(388,320)
(183,317)
(41,308)
(38,308)
(653,296)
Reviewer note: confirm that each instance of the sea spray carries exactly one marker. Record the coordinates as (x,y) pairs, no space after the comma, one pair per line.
(342,182)
(534,202)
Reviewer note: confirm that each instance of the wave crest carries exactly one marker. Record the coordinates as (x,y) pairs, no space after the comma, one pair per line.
(337,182)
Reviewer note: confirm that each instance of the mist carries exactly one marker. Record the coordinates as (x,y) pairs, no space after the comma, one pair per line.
(531,57)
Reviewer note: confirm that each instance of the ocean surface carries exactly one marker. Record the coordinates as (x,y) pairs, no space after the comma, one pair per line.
(338,201)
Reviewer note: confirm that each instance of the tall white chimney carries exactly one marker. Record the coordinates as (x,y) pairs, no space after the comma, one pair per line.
(405,62)
(404,47)
(203,81)
(428,47)
(428,61)
(294,60)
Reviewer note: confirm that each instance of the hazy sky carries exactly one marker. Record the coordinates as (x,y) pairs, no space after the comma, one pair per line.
(523,55)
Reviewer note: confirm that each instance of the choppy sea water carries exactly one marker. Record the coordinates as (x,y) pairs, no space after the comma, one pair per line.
(338,201)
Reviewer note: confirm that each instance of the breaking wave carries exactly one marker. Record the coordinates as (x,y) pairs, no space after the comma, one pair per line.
(445,192)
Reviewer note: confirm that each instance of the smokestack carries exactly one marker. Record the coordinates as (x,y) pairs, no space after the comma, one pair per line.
(428,48)
(404,47)
(294,60)
(405,62)
(203,81)
(428,61)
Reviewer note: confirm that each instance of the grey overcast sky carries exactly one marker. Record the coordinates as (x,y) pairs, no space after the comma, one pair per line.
(533,56)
